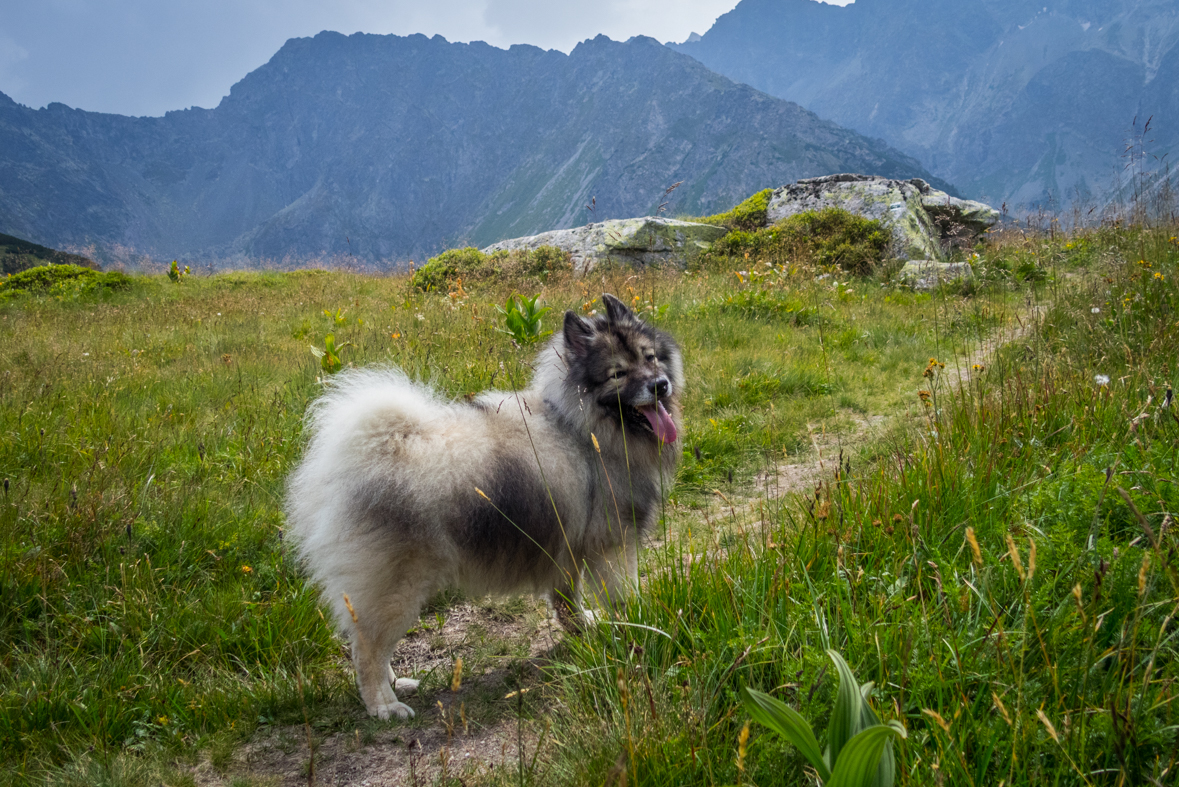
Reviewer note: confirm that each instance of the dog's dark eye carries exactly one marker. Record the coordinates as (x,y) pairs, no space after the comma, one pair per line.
(618,375)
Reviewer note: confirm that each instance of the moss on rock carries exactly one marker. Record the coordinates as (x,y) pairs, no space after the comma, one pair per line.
(828,237)
(750,215)
(472,265)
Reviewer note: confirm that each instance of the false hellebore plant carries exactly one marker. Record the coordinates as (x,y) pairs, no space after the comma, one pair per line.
(859,748)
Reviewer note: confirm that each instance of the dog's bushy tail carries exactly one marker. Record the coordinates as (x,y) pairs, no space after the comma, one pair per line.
(359,407)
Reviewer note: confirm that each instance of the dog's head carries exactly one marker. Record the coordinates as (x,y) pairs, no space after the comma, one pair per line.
(631,371)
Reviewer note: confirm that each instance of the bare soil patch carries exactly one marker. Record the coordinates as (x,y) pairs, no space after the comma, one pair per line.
(470,734)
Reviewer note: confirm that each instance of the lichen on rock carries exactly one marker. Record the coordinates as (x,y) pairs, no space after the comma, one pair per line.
(929,274)
(648,240)
(924,221)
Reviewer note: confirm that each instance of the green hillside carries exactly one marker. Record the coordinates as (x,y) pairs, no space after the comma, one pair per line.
(17,255)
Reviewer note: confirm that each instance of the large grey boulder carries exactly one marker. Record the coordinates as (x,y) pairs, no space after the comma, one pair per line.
(643,241)
(924,221)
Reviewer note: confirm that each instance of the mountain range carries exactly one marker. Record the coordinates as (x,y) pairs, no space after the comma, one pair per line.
(1020,101)
(387,148)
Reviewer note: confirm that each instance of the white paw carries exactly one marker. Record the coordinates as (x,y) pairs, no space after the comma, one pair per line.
(405,684)
(385,711)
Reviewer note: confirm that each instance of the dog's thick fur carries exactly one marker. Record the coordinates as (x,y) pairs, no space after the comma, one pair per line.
(402,494)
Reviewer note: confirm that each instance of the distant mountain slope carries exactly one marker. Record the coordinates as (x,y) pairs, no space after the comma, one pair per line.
(1011,100)
(17,255)
(390,148)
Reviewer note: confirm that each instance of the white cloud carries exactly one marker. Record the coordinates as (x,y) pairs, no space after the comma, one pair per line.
(12,55)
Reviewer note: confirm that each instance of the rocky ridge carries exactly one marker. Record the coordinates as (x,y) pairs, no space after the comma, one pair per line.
(1016,101)
(381,149)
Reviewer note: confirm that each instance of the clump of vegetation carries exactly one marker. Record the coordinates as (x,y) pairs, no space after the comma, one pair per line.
(178,274)
(749,216)
(329,356)
(832,236)
(859,748)
(1008,568)
(17,255)
(522,318)
(62,280)
(471,265)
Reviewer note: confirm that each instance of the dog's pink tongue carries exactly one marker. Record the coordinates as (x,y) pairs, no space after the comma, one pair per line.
(661,422)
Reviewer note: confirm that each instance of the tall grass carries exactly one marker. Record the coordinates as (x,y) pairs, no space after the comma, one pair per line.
(1004,569)
(152,611)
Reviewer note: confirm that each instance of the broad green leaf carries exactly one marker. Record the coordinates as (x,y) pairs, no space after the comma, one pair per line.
(886,773)
(846,715)
(787,722)
(859,760)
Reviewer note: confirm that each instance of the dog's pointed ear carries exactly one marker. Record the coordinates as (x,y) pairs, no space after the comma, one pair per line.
(616,310)
(578,333)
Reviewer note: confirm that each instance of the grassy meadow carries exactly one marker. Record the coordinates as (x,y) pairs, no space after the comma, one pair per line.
(997,554)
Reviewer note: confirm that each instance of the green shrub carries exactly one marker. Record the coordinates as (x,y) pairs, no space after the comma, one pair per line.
(472,265)
(448,266)
(62,280)
(828,237)
(750,215)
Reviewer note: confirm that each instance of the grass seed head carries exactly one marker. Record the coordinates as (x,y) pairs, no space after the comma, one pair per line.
(456,680)
(351,611)
(1048,725)
(742,739)
(945,725)
(978,561)
(999,706)
(1013,551)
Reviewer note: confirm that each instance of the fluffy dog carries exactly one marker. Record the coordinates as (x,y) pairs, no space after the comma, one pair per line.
(547,490)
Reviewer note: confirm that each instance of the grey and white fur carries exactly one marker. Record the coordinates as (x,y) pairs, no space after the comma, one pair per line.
(402,493)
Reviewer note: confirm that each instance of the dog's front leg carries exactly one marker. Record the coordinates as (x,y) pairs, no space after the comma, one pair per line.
(564,602)
(611,576)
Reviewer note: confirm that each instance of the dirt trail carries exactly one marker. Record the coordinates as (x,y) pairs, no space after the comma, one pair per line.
(505,647)
(435,744)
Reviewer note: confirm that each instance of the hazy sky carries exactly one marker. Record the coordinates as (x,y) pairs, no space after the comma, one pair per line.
(145,57)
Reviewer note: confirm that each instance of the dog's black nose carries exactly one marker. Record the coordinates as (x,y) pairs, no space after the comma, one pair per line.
(659,386)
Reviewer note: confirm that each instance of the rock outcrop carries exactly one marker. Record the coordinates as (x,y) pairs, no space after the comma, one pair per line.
(641,241)
(924,222)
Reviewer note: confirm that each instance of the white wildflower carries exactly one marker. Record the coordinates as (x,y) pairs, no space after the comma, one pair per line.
(1101,379)
(1095,310)
(420,316)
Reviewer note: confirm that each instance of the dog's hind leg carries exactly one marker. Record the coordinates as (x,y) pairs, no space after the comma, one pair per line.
(380,625)
(371,654)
